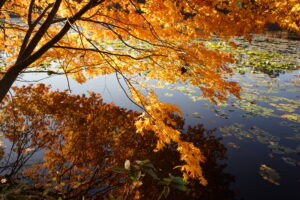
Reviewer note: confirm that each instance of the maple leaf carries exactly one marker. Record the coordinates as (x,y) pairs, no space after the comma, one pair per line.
(161,39)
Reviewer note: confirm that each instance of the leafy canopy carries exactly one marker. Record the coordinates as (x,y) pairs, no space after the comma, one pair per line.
(136,40)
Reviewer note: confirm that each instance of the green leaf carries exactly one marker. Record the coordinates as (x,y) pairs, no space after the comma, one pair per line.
(150,165)
(135,176)
(178,180)
(165,181)
(151,173)
(179,187)
(119,170)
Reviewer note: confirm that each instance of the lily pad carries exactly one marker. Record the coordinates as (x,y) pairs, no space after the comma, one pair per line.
(294,137)
(269,174)
(290,161)
(295,127)
(285,107)
(293,117)
(279,149)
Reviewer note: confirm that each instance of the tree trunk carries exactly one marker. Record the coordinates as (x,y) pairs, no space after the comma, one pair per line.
(11,75)
(7,81)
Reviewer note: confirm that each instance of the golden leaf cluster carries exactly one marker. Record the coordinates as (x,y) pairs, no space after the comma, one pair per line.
(155,39)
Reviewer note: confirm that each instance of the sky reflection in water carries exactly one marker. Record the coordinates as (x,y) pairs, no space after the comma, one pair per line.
(261,133)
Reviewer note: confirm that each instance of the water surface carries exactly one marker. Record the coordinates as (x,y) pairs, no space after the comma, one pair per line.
(260,131)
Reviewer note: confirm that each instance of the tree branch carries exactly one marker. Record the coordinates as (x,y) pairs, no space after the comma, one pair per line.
(109,53)
(40,33)
(13,72)
(29,18)
(2,3)
(30,30)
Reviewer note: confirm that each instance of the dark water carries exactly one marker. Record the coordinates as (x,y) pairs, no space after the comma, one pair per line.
(253,130)
(260,132)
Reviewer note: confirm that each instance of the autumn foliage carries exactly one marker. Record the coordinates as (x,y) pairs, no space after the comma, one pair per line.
(82,139)
(136,40)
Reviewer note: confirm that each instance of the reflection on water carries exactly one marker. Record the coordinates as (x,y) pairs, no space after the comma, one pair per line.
(80,142)
(261,131)
(82,138)
(219,180)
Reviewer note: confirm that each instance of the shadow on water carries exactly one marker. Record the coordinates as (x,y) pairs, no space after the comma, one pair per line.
(62,145)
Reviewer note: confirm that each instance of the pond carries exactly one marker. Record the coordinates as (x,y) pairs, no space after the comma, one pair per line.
(253,143)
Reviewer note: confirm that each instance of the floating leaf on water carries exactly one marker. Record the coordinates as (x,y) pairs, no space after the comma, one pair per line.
(248,115)
(233,145)
(221,113)
(254,132)
(295,127)
(270,91)
(241,134)
(290,161)
(235,130)
(285,107)
(269,174)
(263,136)
(294,90)
(159,86)
(293,101)
(263,140)
(197,115)
(279,149)
(253,109)
(231,128)
(257,131)
(185,90)
(207,105)
(247,84)
(239,125)
(196,98)
(293,117)
(226,134)
(294,137)
(168,94)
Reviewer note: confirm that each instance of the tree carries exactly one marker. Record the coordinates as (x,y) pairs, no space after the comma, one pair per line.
(136,39)
(79,152)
